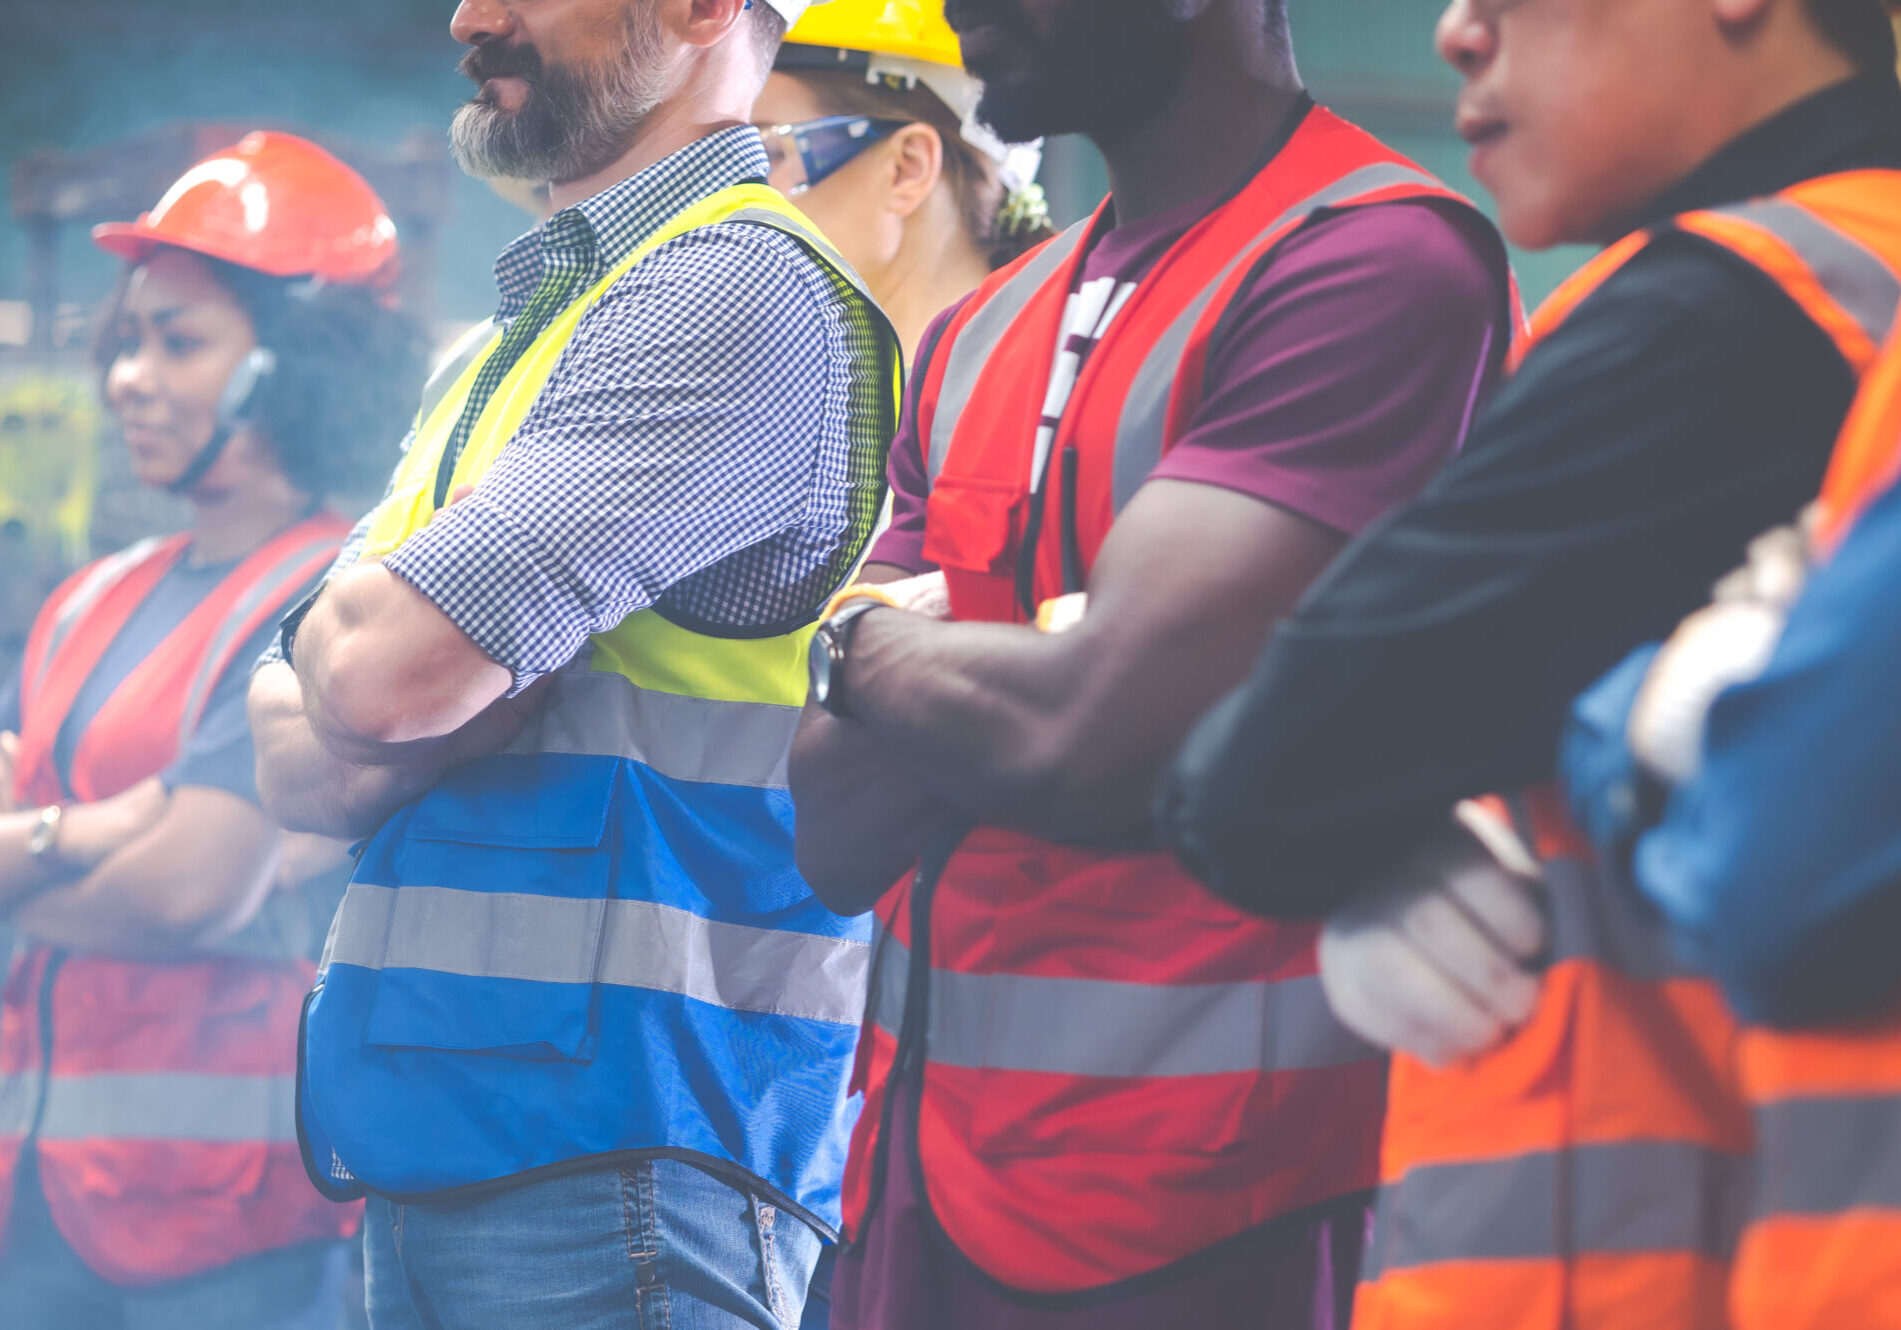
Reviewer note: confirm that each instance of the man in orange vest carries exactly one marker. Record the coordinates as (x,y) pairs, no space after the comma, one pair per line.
(1096,1095)
(1741,162)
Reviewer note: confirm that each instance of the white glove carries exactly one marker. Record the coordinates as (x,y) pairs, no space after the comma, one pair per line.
(927,594)
(1727,642)
(1436,963)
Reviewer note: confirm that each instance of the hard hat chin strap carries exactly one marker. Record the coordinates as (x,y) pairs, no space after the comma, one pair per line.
(237,405)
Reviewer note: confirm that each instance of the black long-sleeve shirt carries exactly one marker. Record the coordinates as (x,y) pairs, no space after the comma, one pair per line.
(1683,408)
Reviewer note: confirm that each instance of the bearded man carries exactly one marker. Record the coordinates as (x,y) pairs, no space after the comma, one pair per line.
(582,1033)
(1096,1096)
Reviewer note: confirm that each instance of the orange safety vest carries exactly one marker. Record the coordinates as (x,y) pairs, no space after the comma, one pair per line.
(1592,1170)
(159,1097)
(1822,1250)
(1114,1069)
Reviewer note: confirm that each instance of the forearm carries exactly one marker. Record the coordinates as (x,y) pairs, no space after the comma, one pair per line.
(381,669)
(862,821)
(24,875)
(989,719)
(306,787)
(190,880)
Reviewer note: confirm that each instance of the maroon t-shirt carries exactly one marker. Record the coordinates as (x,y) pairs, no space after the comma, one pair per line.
(1349,375)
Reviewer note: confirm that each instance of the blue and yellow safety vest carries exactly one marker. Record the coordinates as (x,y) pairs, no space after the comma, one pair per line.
(596,941)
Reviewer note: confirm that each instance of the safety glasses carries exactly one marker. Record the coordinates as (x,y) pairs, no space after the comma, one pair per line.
(805,153)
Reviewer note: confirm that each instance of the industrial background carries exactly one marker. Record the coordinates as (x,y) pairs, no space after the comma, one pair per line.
(105,102)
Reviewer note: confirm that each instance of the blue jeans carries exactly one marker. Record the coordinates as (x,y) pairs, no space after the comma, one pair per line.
(651,1245)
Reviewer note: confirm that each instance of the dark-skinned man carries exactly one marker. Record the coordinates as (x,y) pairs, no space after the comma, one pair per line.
(581,1032)
(1131,1106)
(1566,1143)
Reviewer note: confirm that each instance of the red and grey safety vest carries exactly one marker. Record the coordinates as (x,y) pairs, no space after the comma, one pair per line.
(1111,1069)
(159,1097)
(1591,1173)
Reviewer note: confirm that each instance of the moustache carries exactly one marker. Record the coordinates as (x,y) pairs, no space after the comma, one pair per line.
(496,61)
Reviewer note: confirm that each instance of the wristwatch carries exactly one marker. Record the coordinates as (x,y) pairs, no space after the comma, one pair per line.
(43,844)
(287,630)
(827,657)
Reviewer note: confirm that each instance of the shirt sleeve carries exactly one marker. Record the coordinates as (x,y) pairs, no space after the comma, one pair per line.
(1780,861)
(1352,365)
(1683,409)
(902,541)
(684,424)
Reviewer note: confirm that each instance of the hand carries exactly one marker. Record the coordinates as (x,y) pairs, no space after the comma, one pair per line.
(927,594)
(496,727)
(304,856)
(1438,962)
(9,766)
(1727,642)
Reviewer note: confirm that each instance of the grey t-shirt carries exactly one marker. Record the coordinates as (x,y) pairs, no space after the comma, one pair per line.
(218,753)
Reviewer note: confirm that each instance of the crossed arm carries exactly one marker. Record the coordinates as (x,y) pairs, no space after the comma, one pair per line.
(386,694)
(1059,735)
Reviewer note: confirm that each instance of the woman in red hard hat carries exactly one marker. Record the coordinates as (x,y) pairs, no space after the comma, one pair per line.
(149,1167)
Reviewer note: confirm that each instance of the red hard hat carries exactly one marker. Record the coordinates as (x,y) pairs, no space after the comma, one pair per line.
(276,203)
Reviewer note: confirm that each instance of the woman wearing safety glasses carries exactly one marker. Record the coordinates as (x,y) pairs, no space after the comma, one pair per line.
(869,119)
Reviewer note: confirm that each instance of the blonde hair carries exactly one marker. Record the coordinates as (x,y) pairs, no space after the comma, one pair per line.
(973,177)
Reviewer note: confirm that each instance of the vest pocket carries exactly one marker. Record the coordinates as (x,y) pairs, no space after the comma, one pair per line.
(972,523)
(495,931)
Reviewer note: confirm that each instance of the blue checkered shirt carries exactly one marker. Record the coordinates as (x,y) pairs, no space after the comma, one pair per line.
(696,448)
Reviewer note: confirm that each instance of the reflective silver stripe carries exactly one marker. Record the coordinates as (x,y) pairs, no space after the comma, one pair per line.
(19,1096)
(1829,1156)
(604,714)
(1854,276)
(1598,921)
(171,1106)
(1622,1198)
(1095,1027)
(1145,410)
(970,350)
(274,583)
(632,944)
(104,576)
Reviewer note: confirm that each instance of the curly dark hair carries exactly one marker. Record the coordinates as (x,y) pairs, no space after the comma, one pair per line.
(349,374)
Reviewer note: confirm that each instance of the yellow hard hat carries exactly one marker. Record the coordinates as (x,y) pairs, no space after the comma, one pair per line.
(912,29)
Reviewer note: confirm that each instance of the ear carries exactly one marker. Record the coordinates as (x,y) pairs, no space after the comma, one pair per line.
(1735,14)
(914,158)
(706,23)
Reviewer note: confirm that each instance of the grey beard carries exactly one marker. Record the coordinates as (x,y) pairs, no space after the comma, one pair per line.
(571,126)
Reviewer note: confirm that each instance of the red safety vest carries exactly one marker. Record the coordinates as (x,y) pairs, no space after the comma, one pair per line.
(1591,1173)
(160,1097)
(1121,1069)
(1822,1250)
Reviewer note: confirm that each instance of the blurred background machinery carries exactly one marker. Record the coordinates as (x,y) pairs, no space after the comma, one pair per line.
(105,102)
